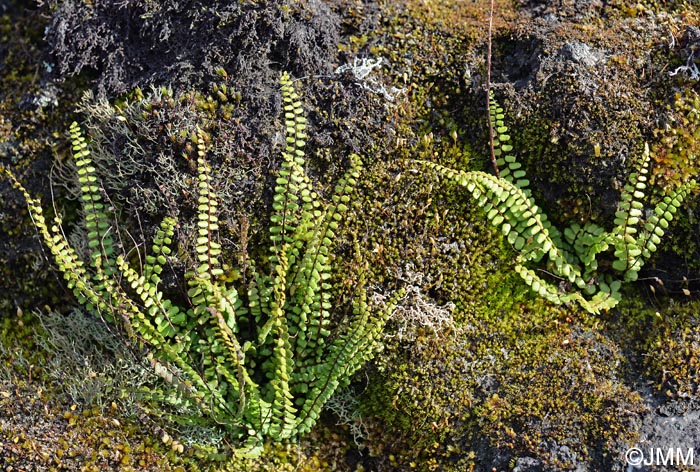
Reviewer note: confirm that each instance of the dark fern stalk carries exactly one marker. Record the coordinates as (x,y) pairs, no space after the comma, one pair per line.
(268,385)
(573,255)
(489,95)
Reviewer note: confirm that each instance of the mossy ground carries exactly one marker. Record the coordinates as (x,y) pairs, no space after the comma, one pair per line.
(509,376)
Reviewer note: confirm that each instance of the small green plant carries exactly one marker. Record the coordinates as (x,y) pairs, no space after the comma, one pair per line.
(574,258)
(258,361)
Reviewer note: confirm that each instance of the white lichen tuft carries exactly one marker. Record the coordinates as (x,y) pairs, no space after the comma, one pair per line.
(417,311)
(361,70)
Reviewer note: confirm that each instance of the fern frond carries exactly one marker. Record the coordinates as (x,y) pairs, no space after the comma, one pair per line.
(142,325)
(162,314)
(256,361)
(208,249)
(541,287)
(508,204)
(97,223)
(656,224)
(509,168)
(292,183)
(354,347)
(161,248)
(313,271)
(523,224)
(628,218)
(587,241)
(607,297)
(67,260)
(283,410)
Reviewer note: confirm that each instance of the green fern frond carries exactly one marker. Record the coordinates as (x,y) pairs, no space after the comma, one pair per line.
(292,183)
(161,249)
(523,224)
(313,271)
(656,224)
(628,218)
(282,358)
(587,242)
(509,168)
(97,222)
(354,347)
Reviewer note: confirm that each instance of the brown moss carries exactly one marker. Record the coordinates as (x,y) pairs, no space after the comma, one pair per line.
(562,393)
(676,153)
(672,348)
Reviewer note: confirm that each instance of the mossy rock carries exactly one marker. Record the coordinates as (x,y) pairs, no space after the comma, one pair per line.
(490,385)
(32,110)
(507,381)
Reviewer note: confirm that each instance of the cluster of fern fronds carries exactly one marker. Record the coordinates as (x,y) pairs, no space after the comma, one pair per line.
(571,257)
(258,360)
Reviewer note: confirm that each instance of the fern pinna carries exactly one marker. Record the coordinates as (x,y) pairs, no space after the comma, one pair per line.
(572,256)
(259,361)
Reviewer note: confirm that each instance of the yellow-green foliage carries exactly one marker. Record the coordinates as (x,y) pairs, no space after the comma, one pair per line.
(257,361)
(431,390)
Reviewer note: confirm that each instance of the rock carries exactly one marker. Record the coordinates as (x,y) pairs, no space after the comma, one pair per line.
(581,53)
(527,464)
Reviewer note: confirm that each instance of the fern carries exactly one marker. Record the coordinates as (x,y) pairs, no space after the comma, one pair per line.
(259,360)
(574,255)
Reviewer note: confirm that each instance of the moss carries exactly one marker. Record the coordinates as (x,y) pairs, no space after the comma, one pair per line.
(582,102)
(282,458)
(38,433)
(26,357)
(457,397)
(663,339)
(516,375)
(42,427)
(672,350)
(677,150)
(186,45)
(49,421)
(562,388)
(655,6)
